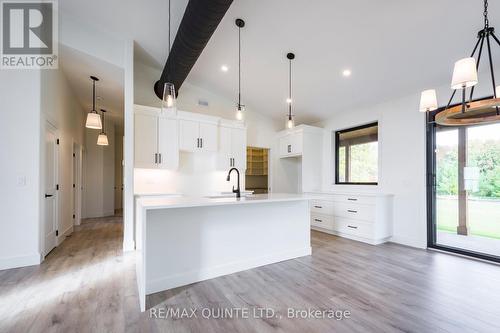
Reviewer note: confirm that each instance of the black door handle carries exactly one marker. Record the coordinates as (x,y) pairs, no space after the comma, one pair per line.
(49,195)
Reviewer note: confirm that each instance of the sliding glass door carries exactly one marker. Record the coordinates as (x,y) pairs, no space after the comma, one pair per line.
(464,189)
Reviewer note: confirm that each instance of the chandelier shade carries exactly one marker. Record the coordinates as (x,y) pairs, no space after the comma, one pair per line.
(428,101)
(464,74)
(93,121)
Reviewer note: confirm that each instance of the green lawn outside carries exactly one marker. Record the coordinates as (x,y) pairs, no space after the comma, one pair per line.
(484,216)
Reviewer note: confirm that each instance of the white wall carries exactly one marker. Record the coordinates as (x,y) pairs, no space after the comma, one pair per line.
(197,174)
(99,179)
(61,109)
(20,191)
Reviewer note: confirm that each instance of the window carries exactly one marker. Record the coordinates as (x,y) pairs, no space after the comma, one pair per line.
(356,155)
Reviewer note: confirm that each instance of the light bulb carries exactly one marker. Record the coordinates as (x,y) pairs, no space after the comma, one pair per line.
(170,101)
(289,123)
(289,100)
(239,114)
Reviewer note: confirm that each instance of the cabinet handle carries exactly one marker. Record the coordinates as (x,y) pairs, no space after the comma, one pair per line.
(232,159)
(289,148)
(352,211)
(352,227)
(156,158)
(318,206)
(318,220)
(201,142)
(159,158)
(352,199)
(197,142)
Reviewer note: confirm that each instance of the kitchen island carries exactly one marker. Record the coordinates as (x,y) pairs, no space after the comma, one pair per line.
(182,240)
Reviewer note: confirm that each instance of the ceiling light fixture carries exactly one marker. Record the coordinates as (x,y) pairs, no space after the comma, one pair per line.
(290,123)
(224,68)
(346,72)
(102,139)
(465,76)
(169,95)
(239,107)
(93,118)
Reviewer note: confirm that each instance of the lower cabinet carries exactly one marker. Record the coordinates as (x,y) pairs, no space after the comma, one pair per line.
(366,218)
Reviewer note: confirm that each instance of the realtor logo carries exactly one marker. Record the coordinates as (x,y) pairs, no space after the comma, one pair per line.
(29,34)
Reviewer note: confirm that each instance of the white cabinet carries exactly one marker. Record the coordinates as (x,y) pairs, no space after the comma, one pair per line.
(155,140)
(232,148)
(195,136)
(291,144)
(365,217)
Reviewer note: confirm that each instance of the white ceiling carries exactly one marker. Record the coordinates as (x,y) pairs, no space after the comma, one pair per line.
(78,67)
(393,47)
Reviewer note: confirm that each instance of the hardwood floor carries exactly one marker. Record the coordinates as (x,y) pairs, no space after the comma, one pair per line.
(88,285)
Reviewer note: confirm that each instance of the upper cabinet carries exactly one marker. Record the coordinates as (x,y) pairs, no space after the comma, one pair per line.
(197,135)
(291,144)
(156,142)
(232,146)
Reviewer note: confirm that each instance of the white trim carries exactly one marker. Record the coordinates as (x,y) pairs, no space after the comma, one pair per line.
(21,261)
(411,242)
(352,237)
(189,277)
(129,247)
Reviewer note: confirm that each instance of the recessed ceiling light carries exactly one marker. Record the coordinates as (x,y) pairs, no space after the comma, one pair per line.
(346,72)
(224,68)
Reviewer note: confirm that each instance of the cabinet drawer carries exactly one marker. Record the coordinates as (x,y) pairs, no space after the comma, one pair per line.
(354,211)
(355,199)
(322,221)
(322,207)
(355,228)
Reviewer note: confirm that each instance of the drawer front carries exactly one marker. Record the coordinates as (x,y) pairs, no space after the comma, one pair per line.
(354,211)
(322,221)
(355,228)
(354,199)
(322,207)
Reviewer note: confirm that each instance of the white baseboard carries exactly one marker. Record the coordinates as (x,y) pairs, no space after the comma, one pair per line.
(411,242)
(186,278)
(128,246)
(356,238)
(21,261)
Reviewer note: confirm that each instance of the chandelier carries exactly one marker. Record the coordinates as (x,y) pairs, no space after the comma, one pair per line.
(469,112)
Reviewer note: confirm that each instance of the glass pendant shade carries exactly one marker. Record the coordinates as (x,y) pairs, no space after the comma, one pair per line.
(428,101)
(464,74)
(169,101)
(239,112)
(102,140)
(290,123)
(93,120)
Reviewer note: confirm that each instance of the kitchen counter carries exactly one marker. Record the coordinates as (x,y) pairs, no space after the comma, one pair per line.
(185,202)
(183,240)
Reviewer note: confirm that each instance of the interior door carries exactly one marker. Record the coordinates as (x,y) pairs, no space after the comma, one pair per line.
(208,135)
(238,148)
(168,143)
(145,140)
(50,187)
(188,135)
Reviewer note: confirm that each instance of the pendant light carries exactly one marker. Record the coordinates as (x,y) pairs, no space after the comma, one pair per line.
(93,118)
(169,95)
(465,77)
(102,139)
(240,108)
(290,123)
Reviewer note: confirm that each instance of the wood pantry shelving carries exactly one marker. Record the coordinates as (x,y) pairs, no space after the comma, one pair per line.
(257,169)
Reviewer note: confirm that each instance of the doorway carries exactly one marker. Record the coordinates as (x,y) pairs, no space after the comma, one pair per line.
(50,200)
(464,201)
(257,173)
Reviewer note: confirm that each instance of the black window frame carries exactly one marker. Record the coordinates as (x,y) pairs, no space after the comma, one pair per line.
(337,147)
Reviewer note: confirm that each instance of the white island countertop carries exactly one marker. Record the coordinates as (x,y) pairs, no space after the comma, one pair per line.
(186,202)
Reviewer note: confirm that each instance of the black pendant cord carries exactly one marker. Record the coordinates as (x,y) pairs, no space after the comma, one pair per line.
(239,68)
(103,125)
(290,89)
(168,28)
(93,96)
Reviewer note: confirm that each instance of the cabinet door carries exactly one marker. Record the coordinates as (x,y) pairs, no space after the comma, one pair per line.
(168,143)
(296,142)
(145,140)
(224,158)
(285,146)
(208,135)
(188,135)
(239,148)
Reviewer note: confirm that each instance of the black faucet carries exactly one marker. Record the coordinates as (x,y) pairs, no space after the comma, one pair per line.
(237,191)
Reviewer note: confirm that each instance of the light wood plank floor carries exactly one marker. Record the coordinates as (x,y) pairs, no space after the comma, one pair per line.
(88,285)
